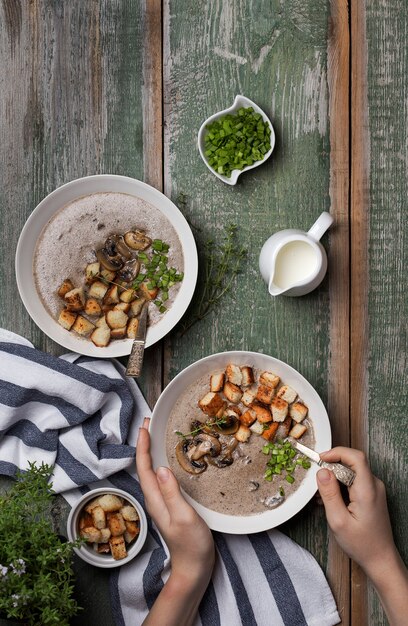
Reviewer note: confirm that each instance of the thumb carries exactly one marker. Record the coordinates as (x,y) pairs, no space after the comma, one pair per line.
(170,491)
(329,490)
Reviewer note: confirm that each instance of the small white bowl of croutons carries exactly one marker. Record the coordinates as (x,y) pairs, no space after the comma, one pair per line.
(112,524)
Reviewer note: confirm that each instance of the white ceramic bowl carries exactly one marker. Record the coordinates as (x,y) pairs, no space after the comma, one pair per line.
(86,552)
(46,210)
(318,415)
(240,101)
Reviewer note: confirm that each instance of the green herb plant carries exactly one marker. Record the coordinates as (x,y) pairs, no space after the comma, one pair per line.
(221,264)
(35,565)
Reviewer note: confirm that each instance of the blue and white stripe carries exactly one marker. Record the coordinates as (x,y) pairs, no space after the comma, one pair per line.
(82,415)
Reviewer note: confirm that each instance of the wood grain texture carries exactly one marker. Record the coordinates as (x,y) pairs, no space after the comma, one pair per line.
(213,51)
(338,67)
(387,97)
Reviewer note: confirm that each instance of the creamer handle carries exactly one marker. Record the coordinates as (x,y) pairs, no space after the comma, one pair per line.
(323,222)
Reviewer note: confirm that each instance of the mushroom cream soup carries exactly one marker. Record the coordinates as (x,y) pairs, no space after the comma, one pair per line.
(239,488)
(69,240)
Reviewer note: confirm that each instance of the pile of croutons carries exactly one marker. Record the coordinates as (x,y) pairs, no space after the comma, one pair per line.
(266,407)
(110,523)
(100,310)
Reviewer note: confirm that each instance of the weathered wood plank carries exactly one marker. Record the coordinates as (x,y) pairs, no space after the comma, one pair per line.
(338,569)
(387,95)
(211,53)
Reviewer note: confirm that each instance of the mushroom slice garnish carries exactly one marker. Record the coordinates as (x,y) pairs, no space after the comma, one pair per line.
(271,502)
(228,424)
(113,264)
(110,245)
(122,248)
(253,485)
(137,240)
(206,444)
(225,458)
(129,271)
(184,450)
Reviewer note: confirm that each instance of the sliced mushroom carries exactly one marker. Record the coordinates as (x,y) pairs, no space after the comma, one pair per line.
(137,240)
(122,248)
(129,271)
(110,245)
(206,444)
(184,450)
(253,485)
(230,424)
(111,263)
(271,502)
(225,458)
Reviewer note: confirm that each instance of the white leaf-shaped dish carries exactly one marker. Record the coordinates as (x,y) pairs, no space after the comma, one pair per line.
(240,101)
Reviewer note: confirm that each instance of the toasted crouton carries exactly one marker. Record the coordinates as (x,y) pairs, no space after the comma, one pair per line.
(248,397)
(118,547)
(263,415)
(82,326)
(232,392)
(98,290)
(118,333)
(148,294)
(85,520)
(128,295)
(248,418)
(75,299)
(91,534)
(297,431)
(257,428)
(66,286)
(279,409)
(98,517)
(211,403)
(108,274)
(133,325)
(132,531)
(265,394)
(122,306)
(247,376)
(91,505)
(287,393)
(101,322)
(110,502)
(112,295)
(92,307)
(284,428)
(66,319)
(233,374)
(116,319)
(270,432)
(116,524)
(92,271)
(129,513)
(267,378)
(243,433)
(105,535)
(136,306)
(217,381)
(298,412)
(101,336)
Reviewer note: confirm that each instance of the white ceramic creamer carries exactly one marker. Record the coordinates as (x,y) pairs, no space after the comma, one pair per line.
(293,262)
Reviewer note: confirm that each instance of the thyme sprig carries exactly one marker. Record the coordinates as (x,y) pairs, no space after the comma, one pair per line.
(222,263)
(209,423)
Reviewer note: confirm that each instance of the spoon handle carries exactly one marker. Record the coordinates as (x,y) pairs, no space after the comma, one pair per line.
(343,473)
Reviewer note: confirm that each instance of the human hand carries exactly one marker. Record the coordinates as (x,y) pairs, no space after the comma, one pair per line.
(362,528)
(186,534)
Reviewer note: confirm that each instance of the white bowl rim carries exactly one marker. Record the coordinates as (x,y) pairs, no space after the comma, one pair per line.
(88,554)
(239,101)
(53,202)
(270,518)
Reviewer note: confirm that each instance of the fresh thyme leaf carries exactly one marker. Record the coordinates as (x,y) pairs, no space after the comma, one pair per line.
(218,422)
(221,265)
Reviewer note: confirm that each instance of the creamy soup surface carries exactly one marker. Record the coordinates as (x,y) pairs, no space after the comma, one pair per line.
(229,489)
(69,240)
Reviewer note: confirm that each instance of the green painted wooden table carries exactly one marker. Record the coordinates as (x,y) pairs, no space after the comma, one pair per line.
(121,86)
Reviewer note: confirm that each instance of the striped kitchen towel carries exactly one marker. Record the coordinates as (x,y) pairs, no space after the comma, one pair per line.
(82,415)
